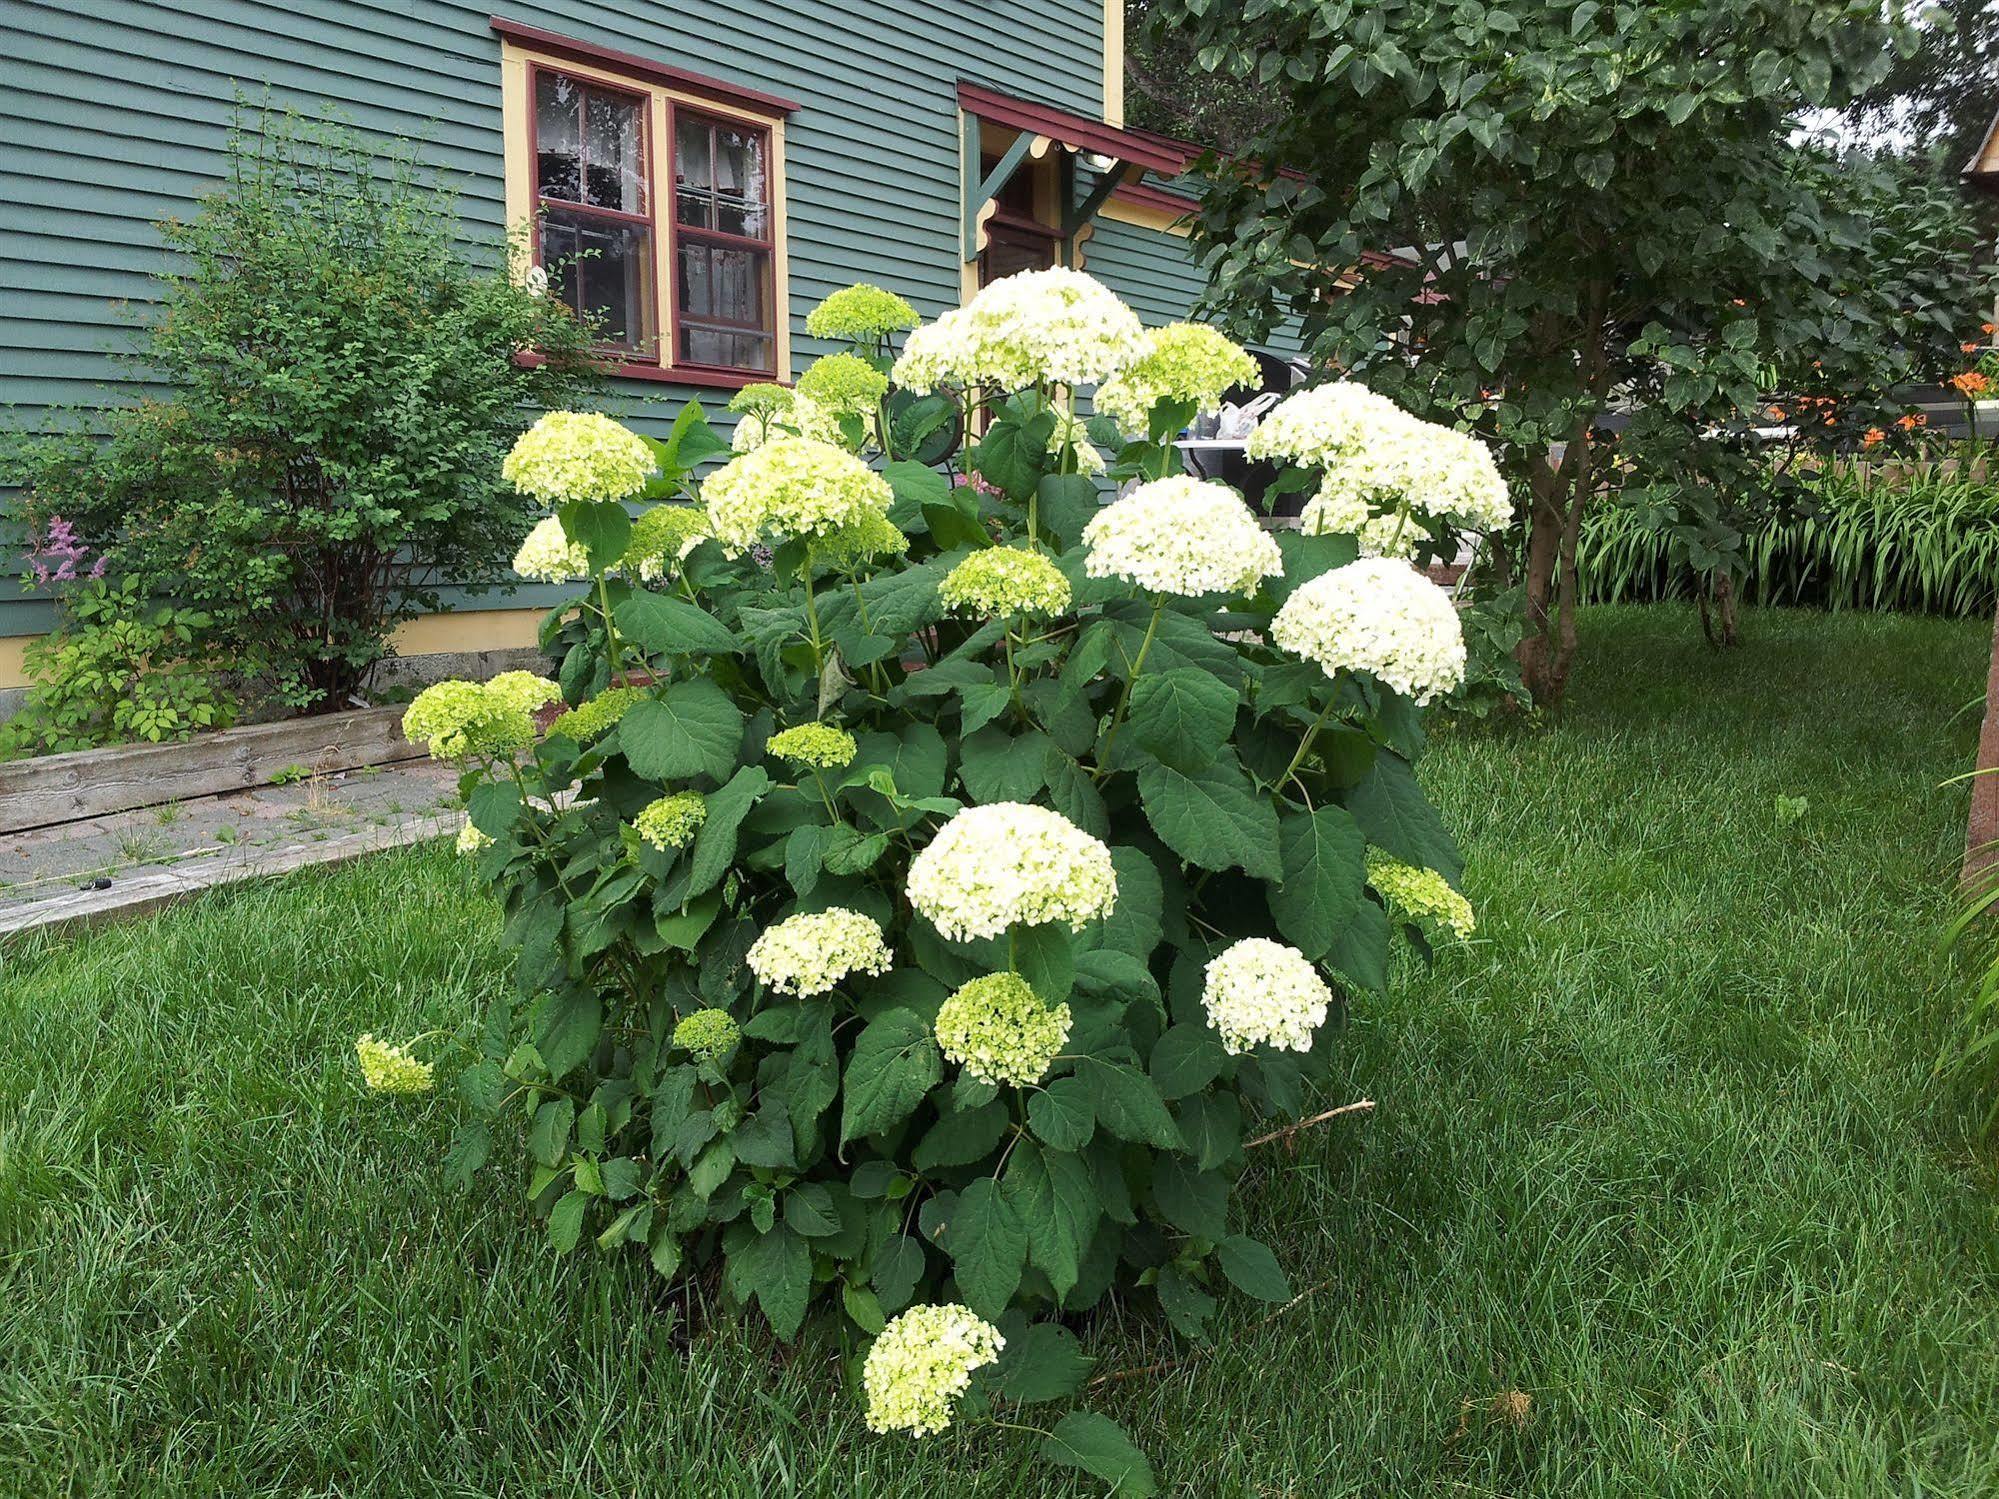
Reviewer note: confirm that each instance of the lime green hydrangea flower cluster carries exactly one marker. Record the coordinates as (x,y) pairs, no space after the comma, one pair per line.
(922,1362)
(999,1030)
(524,690)
(672,821)
(868,537)
(1180,362)
(600,715)
(864,313)
(790,487)
(461,719)
(844,384)
(1422,894)
(547,555)
(1007,864)
(810,953)
(818,745)
(662,538)
(1000,582)
(471,840)
(387,1068)
(577,455)
(707,1033)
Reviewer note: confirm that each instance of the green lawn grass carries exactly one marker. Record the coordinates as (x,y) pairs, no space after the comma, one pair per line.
(1662,1150)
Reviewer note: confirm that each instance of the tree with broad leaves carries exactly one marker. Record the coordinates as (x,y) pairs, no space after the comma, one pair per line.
(1521,215)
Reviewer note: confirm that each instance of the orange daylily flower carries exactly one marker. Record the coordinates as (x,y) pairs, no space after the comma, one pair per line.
(1874,438)
(1969,348)
(1970,383)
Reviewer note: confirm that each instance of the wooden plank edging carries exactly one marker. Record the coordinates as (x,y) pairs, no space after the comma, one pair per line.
(53,789)
(143,894)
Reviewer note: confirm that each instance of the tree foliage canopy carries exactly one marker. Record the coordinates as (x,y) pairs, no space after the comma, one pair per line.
(1557,205)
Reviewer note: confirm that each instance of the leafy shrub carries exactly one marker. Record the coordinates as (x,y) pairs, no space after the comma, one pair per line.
(929,887)
(121,668)
(344,386)
(1919,535)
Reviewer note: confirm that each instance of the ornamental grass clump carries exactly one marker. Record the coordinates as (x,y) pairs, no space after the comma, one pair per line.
(924,941)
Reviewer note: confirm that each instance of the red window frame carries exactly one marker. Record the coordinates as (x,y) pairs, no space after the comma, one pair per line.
(767,329)
(649,220)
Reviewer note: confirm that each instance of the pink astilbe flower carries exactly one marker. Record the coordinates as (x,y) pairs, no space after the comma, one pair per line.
(56,555)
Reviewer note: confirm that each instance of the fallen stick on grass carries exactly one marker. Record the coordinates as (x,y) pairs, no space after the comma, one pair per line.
(1362,1106)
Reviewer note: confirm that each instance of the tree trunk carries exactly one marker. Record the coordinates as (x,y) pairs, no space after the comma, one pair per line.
(1547,651)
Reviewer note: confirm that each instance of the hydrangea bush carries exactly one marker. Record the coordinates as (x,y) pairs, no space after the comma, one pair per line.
(936,874)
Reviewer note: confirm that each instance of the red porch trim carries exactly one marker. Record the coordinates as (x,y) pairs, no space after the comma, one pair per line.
(1077,132)
(717,89)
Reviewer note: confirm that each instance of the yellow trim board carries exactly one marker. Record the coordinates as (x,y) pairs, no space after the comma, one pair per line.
(514,107)
(1145,216)
(1114,63)
(13,666)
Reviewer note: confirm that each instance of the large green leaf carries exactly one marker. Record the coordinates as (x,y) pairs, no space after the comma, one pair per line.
(998,766)
(1134,923)
(1324,857)
(691,730)
(962,1138)
(1253,1268)
(1128,1104)
(1212,818)
(601,527)
(660,625)
(1360,952)
(715,844)
(1395,813)
(988,1247)
(893,1065)
(1185,1060)
(1063,1113)
(1098,1445)
(776,1267)
(1184,717)
(1192,1200)
(1045,1362)
(1057,1203)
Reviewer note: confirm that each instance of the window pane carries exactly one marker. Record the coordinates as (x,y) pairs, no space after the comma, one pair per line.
(721,284)
(740,188)
(614,150)
(693,181)
(725,348)
(600,269)
(558,133)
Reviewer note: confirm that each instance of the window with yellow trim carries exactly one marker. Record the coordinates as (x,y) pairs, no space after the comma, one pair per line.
(654,212)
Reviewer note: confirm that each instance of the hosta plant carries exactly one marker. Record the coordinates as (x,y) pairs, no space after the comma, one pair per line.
(933,874)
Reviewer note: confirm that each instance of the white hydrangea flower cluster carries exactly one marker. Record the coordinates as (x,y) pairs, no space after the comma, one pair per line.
(787,488)
(577,455)
(1262,993)
(1184,536)
(1010,864)
(922,1362)
(1378,458)
(810,953)
(1180,362)
(999,1030)
(1057,326)
(1381,616)
(549,556)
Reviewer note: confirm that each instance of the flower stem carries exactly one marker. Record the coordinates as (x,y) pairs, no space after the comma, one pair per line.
(1305,744)
(812,618)
(1124,699)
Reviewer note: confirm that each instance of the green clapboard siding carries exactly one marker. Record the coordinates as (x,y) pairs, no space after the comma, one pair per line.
(116,115)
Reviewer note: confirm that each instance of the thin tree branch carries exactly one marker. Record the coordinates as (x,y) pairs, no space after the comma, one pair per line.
(1362,1106)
